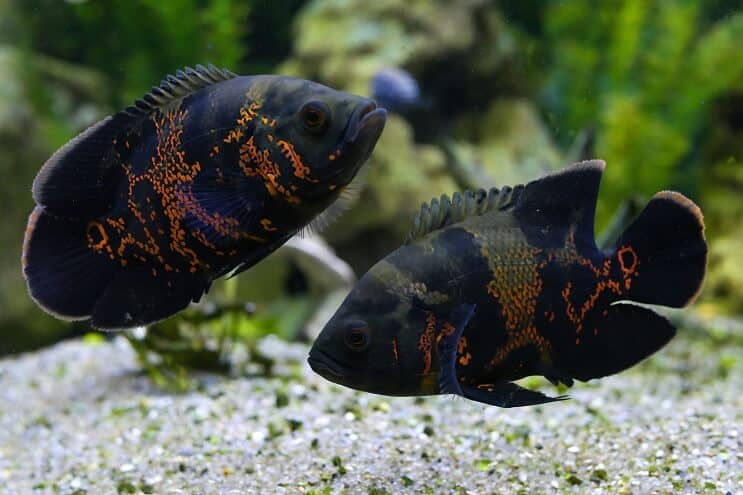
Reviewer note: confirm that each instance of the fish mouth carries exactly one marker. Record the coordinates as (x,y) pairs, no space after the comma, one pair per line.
(326,366)
(366,123)
(362,132)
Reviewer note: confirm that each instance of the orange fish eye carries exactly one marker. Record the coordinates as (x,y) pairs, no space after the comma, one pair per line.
(315,117)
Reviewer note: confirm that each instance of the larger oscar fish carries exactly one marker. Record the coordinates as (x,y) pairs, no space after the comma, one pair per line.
(204,176)
(493,286)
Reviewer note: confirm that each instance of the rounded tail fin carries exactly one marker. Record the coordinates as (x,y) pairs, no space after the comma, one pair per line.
(71,280)
(665,252)
(64,276)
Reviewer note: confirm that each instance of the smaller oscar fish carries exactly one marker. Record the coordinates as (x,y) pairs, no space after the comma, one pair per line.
(203,177)
(493,286)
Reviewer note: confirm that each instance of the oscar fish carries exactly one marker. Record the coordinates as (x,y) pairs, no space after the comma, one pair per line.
(494,286)
(204,176)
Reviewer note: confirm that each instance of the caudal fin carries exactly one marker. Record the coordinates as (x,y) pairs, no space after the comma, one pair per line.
(73,281)
(663,252)
(661,257)
(64,276)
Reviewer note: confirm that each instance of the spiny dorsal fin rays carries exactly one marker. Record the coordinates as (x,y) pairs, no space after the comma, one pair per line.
(173,87)
(440,212)
(562,197)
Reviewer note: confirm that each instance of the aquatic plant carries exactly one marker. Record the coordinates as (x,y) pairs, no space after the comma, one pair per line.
(644,74)
(119,38)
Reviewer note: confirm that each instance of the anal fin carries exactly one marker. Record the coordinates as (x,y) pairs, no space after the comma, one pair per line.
(622,337)
(507,394)
(137,295)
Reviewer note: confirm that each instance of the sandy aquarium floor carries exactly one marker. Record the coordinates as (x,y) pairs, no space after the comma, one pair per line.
(79,418)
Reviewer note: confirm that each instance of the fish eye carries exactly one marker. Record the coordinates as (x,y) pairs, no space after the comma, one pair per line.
(357,336)
(315,117)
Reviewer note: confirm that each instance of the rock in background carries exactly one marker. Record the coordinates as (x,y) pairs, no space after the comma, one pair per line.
(477,125)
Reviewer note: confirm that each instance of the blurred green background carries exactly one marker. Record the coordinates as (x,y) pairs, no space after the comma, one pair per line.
(512,89)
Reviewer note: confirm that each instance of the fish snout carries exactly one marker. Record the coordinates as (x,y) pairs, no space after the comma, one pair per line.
(367,122)
(324,365)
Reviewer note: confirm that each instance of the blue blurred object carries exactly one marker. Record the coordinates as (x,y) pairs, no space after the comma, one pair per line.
(395,89)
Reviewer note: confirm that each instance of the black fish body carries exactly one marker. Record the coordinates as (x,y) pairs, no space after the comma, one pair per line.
(496,285)
(206,175)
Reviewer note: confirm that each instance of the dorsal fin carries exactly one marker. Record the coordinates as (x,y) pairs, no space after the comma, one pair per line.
(440,212)
(563,197)
(178,85)
(76,178)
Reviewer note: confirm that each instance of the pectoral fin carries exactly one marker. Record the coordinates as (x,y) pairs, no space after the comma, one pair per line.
(448,337)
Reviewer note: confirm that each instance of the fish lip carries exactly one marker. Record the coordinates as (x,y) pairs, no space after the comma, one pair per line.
(367,120)
(323,364)
(361,135)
